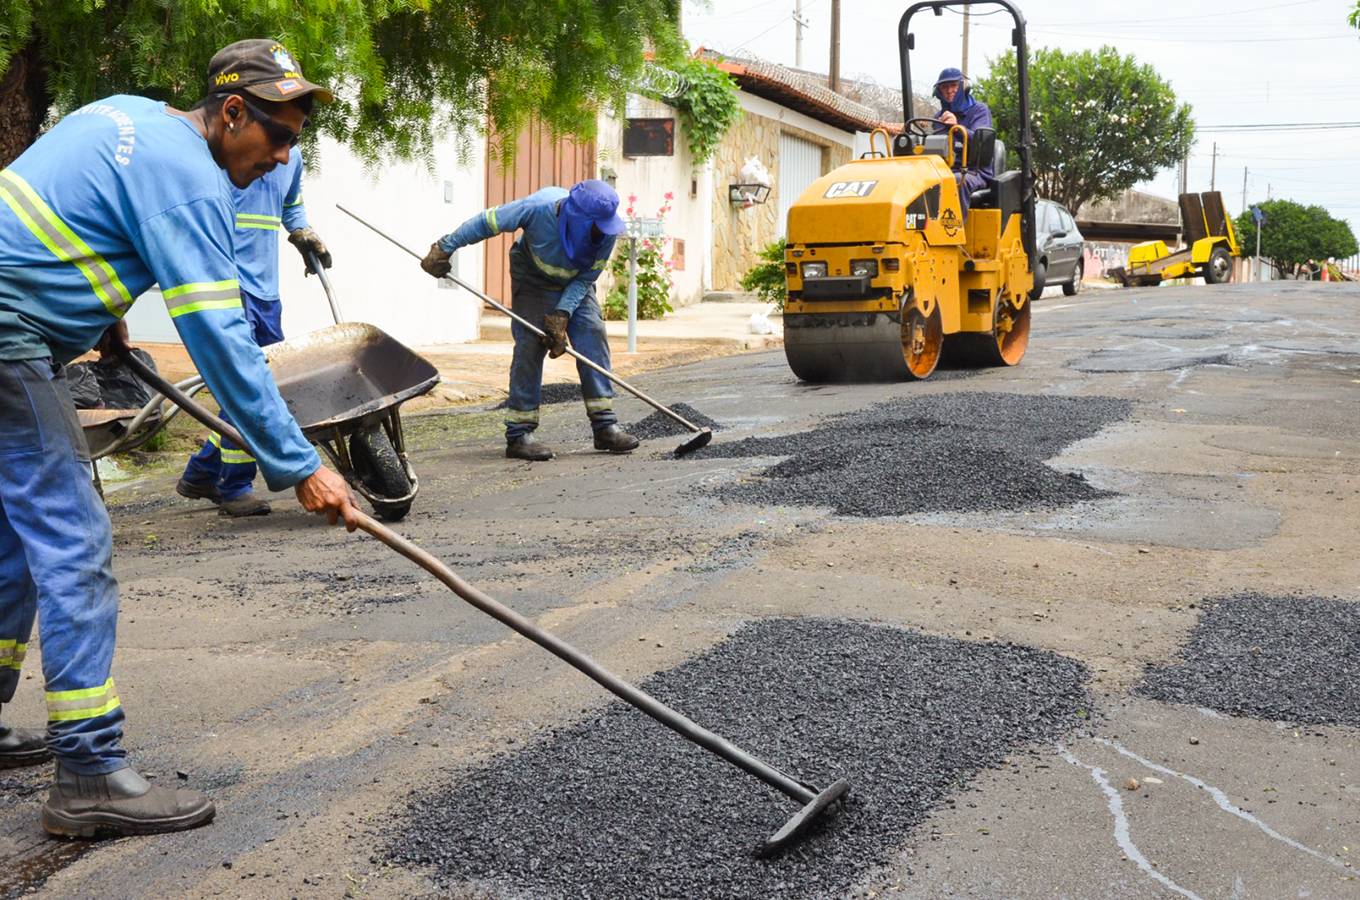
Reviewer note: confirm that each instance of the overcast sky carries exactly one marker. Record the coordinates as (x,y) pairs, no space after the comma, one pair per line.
(1246,63)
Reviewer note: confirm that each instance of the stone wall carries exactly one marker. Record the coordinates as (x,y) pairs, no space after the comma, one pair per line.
(1133,206)
(740,234)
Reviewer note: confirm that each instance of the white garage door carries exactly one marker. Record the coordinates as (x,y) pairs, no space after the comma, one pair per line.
(800,164)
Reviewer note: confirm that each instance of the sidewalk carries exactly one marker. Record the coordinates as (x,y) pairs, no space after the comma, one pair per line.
(480,370)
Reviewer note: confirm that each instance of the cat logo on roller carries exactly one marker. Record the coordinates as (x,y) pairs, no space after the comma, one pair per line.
(885,271)
(850,189)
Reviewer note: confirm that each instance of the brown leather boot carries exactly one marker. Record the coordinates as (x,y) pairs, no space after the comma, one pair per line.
(119,803)
(21,747)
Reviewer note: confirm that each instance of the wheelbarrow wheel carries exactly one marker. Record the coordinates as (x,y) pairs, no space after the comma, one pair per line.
(378,466)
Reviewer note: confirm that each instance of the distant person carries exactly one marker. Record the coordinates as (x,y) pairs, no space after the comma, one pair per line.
(221,471)
(566,241)
(958,106)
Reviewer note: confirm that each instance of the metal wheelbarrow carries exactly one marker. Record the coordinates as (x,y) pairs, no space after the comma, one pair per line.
(344,384)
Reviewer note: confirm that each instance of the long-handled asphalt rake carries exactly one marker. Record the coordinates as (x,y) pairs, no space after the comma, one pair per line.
(701,435)
(814,802)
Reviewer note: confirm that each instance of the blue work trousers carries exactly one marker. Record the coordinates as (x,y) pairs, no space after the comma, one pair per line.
(56,562)
(585,331)
(219,461)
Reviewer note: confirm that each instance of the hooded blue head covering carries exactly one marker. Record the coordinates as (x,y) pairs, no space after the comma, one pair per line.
(963,100)
(591,202)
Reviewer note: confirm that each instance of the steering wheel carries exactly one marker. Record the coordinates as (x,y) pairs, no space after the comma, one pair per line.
(920,127)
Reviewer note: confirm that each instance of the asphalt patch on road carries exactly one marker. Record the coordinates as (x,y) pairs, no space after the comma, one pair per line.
(1290,659)
(562,392)
(618,806)
(658,424)
(961,452)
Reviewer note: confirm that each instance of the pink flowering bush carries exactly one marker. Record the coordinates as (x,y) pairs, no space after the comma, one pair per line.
(654,267)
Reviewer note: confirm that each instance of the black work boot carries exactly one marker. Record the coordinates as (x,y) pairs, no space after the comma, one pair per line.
(21,747)
(198,491)
(119,803)
(615,440)
(526,446)
(245,505)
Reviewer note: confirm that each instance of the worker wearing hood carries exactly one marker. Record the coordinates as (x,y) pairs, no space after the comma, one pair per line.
(565,241)
(958,106)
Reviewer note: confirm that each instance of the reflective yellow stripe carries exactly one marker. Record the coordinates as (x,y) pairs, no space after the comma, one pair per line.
(248,220)
(599,264)
(521,417)
(229,455)
(11,654)
(297,202)
(491,220)
(599,404)
(554,271)
(86,703)
(58,237)
(190,298)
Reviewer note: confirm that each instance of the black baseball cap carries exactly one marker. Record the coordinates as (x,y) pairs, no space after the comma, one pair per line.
(264,69)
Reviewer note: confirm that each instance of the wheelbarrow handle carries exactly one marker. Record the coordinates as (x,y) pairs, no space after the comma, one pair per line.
(536,330)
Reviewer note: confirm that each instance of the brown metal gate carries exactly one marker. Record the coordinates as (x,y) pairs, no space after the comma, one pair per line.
(540,162)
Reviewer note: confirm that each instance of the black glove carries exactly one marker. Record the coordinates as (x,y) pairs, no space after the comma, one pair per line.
(555,324)
(307,241)
(436,262)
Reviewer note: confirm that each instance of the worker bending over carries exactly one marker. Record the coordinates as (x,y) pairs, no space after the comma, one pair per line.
(221,471)
(122,194)
(566,241)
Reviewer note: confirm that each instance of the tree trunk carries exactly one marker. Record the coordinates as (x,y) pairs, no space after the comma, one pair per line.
(24,101)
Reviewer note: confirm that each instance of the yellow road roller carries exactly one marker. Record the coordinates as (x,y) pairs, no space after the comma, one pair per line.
(885,275)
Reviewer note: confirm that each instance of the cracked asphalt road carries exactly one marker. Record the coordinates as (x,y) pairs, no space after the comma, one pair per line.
(314,682)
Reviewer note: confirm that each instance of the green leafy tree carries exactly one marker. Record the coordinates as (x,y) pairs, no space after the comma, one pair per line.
(1294,233)
(709,106)
(767,277)
(1101,123)
(408,72)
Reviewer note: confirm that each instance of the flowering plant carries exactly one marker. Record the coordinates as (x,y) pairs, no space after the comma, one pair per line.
(654,267)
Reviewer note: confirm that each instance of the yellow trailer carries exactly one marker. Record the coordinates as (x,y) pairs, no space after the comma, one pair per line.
(1212,244)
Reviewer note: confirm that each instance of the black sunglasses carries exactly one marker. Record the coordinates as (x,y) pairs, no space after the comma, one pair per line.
(280,135)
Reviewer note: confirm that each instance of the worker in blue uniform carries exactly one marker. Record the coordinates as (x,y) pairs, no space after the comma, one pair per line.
(122,194)
(221,471)
(566,241)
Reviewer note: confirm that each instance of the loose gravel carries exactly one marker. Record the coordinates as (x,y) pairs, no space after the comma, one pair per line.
(561,392)
(620,807)
(658,424)
(1292,659)
(961,452)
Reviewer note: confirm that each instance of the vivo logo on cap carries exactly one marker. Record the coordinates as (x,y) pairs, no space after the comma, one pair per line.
(227,78)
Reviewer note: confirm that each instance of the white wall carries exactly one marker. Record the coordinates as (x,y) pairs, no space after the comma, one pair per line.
(650,178)
(374,281)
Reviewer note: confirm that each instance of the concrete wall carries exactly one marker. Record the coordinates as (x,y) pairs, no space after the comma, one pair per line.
(740,234)
(650,178)
(374,281)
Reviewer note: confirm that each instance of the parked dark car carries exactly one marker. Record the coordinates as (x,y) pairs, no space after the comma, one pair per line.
(1060,246)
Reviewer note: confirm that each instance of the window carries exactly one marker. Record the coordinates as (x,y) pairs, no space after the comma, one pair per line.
(649,137)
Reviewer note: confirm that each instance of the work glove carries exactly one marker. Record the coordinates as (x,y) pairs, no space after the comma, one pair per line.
(436,262)
(306,240)
(555,324)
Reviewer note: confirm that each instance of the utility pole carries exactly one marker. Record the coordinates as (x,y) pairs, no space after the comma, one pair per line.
(834,82)
(1213,168)
(964,68)
(1244,189)
(800,23)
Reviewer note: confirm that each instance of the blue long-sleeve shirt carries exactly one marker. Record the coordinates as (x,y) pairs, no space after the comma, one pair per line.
(121,195)
(975,117)
(261,208)
(537,216)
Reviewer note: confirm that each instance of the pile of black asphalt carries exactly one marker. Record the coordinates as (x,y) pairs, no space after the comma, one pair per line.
(561,392)
(958,452)
(1290,659)
(619,806)
(658,424)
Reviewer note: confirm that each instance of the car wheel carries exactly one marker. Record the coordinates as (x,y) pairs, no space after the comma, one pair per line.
(1072,287)
(1219,267)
